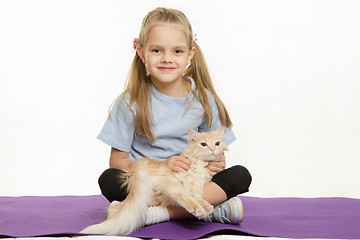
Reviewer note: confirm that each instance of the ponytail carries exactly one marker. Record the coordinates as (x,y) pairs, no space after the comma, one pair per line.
(199,72)
(138,86)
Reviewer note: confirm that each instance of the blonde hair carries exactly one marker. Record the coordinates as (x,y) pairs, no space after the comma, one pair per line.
(138,83)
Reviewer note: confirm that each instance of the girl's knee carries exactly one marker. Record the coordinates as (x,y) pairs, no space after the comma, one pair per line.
(234,180)
(109,177)
(240,174)
(111,185)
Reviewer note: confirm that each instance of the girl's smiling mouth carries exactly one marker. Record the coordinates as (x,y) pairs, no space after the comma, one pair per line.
(166,69)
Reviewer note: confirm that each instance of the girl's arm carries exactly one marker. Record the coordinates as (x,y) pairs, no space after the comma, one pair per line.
(119,159)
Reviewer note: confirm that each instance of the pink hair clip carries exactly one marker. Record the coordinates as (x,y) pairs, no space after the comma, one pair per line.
(194,38)
(135,43)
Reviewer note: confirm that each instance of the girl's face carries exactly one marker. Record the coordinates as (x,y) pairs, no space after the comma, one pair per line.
(166,54)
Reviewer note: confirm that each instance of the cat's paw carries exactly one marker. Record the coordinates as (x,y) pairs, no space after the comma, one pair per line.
(207,206)
(196,209)
(199,212)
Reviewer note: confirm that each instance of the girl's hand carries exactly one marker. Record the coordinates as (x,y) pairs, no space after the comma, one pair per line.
(178,163)
(216,165)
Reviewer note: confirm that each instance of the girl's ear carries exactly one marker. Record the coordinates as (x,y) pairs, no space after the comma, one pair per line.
(140,52)
(192,134)
(191,54)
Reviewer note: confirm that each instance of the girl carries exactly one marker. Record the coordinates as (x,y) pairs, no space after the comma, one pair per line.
(168,91)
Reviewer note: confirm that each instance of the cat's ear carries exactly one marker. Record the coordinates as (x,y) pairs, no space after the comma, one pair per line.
(192,134)
(221,130)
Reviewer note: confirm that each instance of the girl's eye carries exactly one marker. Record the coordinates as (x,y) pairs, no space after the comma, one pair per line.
(155,50)
(217,143)
(178,51)
(203,144)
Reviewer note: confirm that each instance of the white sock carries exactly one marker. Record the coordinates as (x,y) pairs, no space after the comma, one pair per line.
(157,215)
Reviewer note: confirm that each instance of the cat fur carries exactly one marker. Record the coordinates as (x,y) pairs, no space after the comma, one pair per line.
(148,177)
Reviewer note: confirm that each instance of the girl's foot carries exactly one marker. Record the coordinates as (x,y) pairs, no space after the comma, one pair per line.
(230,211)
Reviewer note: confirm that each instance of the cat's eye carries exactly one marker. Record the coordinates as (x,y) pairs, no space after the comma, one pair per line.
(203,144)
(217,144)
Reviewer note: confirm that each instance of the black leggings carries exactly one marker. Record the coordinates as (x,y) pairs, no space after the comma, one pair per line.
(234,180)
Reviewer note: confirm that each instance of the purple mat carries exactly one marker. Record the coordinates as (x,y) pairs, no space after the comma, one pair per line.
(270,217)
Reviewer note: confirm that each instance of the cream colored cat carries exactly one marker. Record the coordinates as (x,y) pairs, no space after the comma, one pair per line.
(146,176)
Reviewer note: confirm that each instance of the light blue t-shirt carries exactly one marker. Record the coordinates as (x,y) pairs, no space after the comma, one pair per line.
(172,117)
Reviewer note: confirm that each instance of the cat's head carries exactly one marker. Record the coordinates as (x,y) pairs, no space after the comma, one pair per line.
(207,145)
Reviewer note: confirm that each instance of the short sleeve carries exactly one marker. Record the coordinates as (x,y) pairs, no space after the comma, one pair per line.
(229,136)
(118,130)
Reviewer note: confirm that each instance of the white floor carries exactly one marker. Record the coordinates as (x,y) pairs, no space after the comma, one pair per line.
(217,237)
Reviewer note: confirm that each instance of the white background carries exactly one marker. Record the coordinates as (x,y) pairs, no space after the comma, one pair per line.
(288,72)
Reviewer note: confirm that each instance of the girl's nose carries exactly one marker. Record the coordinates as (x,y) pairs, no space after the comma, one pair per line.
(167,59)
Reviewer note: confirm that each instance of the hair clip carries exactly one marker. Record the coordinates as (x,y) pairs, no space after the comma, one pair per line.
(135,43)
(194,38)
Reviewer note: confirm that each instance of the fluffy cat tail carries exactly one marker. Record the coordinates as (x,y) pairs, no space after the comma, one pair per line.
(131,213)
